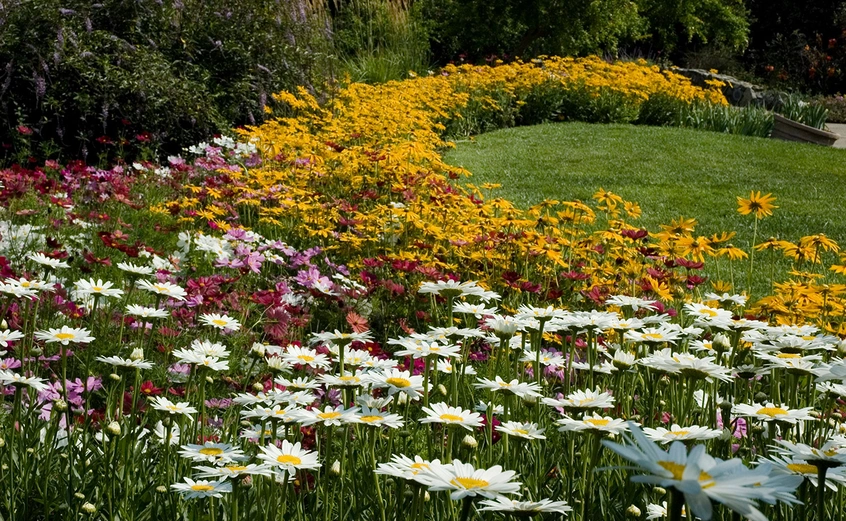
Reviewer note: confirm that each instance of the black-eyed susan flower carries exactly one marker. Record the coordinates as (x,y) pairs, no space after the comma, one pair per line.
(760,205)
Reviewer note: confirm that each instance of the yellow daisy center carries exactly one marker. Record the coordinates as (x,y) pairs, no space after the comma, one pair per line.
(653,336)
(679,433)
(289,459)
(524,432)
(219,322)
(201,488)
(469,483)
(64,336)
(709,312)
(597,422)
(211,451)
(370,419)
(676,469)
(417,467)
(772,412)
(802,468)
(96,288)
(25,284)
(331,415)
(236,468)
(788,355)
(306,358)
(451,418)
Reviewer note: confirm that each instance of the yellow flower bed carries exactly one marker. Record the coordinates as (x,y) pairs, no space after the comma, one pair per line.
(361,175)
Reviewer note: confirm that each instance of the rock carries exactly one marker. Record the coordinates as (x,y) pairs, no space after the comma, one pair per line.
(737,92)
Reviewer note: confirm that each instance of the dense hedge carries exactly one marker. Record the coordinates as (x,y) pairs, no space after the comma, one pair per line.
(89,78)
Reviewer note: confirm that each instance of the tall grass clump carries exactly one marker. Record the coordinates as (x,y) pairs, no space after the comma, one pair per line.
(380,40)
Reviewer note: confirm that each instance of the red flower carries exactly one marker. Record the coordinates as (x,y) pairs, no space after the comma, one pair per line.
(24,130)
(150,389)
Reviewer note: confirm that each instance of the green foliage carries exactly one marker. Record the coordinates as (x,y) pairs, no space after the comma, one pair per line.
(380,40)
(673,24)
(836,107)
(799,45)
(94,78)
(477,29)
(747,121)
(811,114)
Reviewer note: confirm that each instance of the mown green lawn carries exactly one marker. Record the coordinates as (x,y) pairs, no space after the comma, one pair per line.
(670,172)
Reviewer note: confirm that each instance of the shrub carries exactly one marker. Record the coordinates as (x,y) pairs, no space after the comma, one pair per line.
(92,78)
(836,106)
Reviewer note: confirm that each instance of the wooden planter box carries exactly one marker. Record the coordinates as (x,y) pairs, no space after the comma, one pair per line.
(790,130)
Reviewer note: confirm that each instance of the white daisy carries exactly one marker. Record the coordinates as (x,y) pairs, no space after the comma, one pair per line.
(675,432)
(527,431)
(447,415)
(65,335)
(463,480)
(290,457)
(223,322)
(202,488)
(49,262)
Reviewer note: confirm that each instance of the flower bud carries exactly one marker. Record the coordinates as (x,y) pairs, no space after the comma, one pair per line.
(115,377)
(209,379)
(426,496)
(88,508)
(258,387)
(36,351)
(79,495)
(113,428)
(442,389)
(60,405)
(137,354)
(470,442)
(402,399)
(257,350)
(633,511)
(721,342)
(4,324)
(760,397)
(336,468)
(660,490)
(161,489)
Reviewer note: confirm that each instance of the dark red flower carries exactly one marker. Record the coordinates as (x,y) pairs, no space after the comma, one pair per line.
(149,389)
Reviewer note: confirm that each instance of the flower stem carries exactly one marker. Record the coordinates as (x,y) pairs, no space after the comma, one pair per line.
(676,505)
(821,471)
(466,505)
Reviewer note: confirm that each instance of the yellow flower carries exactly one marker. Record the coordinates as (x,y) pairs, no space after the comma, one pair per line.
(760,205)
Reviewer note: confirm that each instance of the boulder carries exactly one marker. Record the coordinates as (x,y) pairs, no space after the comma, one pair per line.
(737,92)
